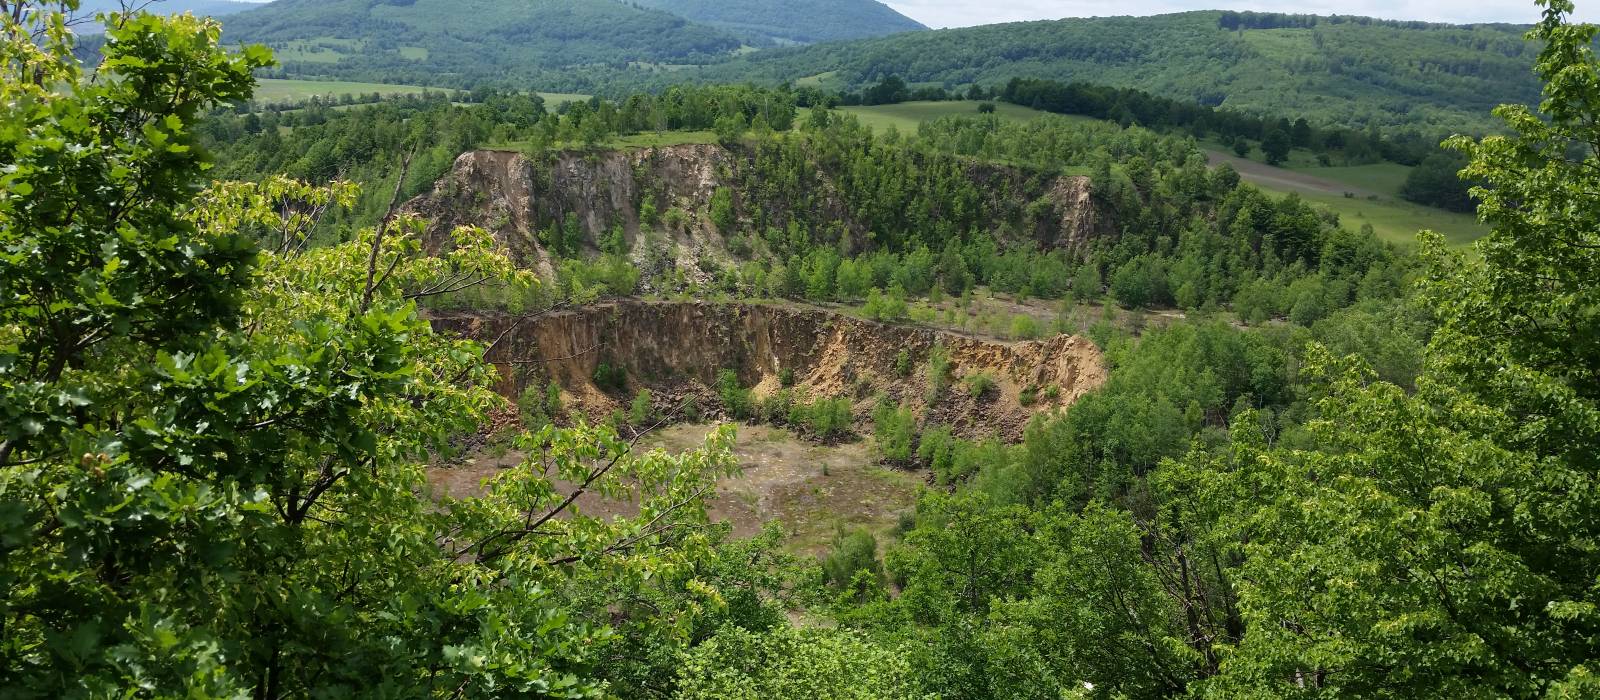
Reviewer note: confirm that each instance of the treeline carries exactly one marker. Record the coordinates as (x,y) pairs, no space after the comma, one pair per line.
(1232,20)
(368,143)
(1276,135)
(1432,185)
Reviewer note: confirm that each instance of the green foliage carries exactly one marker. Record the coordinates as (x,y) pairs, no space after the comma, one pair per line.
(1024,327)
(804,22)
(609,377)
(786,377)
(211,464)
(852,552)
(979,384)
(902,363)
(828,419)
(722,210)
(885,307)
(1436,182)
(735,397)
(641,412)
(793,664)
(1190,56)
(894,431)
(938,370)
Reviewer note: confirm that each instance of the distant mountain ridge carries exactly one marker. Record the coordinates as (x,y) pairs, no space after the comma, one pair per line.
(464,41)
(1342,71)
(793,21)
(1349,71)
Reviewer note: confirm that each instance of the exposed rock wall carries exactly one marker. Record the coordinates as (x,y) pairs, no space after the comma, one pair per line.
(514,198)
(676,349)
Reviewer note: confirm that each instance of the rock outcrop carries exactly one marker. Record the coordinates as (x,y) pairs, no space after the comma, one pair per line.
(515,198)
(677,349)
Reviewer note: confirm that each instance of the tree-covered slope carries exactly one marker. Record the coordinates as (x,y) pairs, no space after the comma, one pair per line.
(803,21)
(214,8)
(461,41)
(1349,71)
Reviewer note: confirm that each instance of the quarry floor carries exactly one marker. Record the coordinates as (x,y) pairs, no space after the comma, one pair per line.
(810,490)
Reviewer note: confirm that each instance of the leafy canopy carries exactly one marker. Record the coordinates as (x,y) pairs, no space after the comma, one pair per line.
(213,436)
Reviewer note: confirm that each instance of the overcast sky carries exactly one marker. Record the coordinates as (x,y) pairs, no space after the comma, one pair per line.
(962,13)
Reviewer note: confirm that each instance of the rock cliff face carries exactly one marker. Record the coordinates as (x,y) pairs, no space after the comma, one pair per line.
(515,198)
(677,349)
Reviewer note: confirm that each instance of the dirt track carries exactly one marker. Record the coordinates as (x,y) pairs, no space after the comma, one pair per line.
(1282,179)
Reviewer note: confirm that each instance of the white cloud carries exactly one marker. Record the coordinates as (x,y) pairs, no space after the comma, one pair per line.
(962,13)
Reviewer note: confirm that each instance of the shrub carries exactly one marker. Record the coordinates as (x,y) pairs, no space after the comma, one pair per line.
(851,551)
(1052,393)
(1023,326)
(1028,395)
(735,398)
(648,216)
(786,377)
(979,384)
(552,400)
(691,408)
(829,419)
(722,210)
(531,408)
(884,307)
(902,363)
(610,378)
(641,411)
(676,218)
(894,429)
(938,371)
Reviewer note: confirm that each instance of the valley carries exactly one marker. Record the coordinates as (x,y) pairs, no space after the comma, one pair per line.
(792,349)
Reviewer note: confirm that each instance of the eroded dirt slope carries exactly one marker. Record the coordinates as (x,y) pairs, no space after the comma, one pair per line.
(676,349)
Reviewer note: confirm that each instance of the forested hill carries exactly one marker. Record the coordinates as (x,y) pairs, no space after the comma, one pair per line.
(460,42)
(799,21)
(1339,70)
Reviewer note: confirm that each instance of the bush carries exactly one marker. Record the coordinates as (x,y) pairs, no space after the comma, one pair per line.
(1023,326)
(691,408)
(641,411)
(530,407)
(610,378)
(676,218)
(735,398)
(894,429)
(938,371)
(884,307)
(985,108)
(793,663)
(1028,395)
(552,400)
(902,363)
(786,377)
(979,384)
(851,551)
(829,419)
(648,217)
(722,210)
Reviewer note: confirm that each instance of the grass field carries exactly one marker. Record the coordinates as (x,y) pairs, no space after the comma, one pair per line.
(272,90)
(1398,221)
(1383,178)
(907,115)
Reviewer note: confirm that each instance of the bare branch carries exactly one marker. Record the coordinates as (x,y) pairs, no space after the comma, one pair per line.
(377,236)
